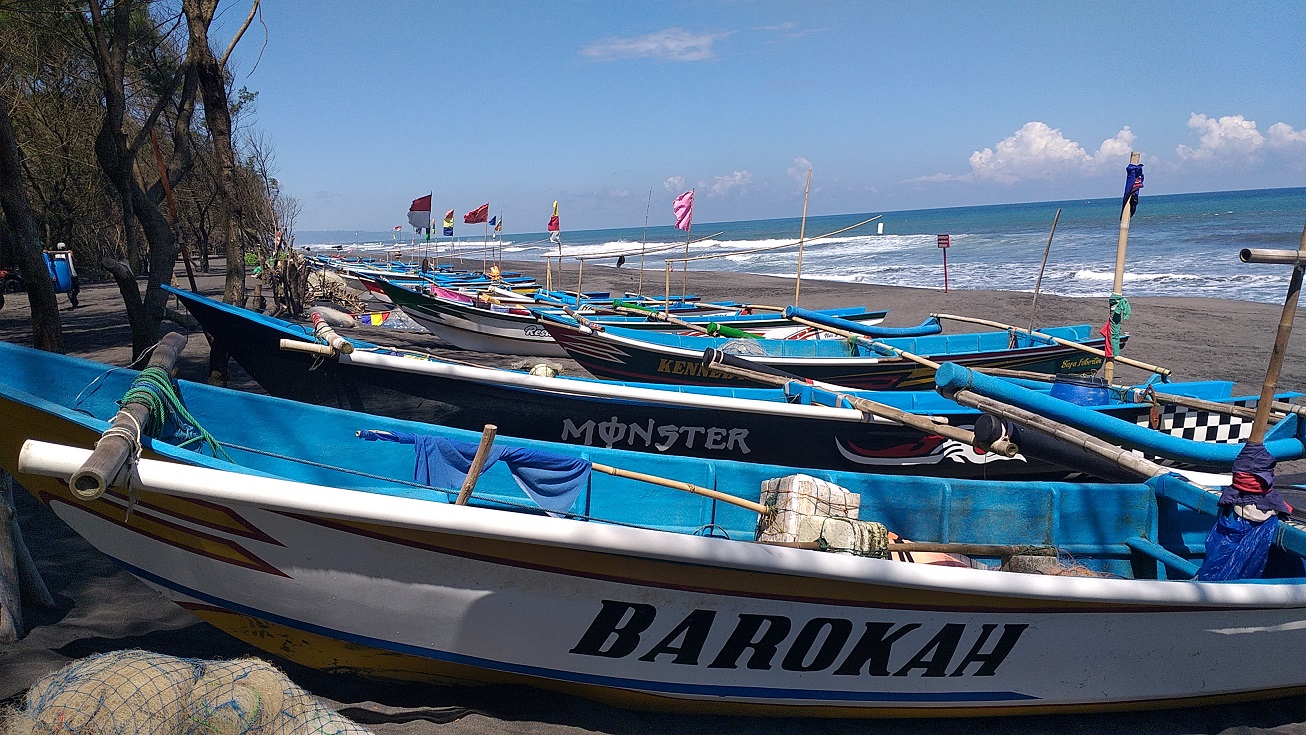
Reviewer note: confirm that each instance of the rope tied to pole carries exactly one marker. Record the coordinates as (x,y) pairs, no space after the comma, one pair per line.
(157,391)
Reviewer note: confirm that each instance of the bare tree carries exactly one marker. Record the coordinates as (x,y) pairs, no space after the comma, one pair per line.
(18,214)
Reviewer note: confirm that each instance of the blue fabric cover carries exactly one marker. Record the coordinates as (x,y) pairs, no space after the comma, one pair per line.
(1237,548)
(551,480)
(1255,460)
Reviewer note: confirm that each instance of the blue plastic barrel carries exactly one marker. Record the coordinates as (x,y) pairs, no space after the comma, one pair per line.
(1082,390)
(63,275)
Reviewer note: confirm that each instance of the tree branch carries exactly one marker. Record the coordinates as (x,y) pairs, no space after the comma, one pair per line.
(222,62)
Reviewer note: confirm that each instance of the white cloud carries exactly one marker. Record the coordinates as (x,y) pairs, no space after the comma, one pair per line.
(1230,136)
(1281,135)
(798,171)
(674,183)
(672,44)
(1034,151)
(725,184)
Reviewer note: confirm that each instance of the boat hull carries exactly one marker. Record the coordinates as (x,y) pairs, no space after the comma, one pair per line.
(410,388)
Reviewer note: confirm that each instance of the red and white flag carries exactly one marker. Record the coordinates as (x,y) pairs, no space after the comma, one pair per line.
(683,208)
(419,213)
(398,227)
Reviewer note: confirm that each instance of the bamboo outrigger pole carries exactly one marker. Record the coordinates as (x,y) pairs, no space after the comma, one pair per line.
(1280,348)
(802,231)
(1063,342)
(1117,290)
(1038,283)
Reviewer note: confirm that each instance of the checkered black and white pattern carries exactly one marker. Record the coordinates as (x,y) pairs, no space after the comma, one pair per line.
(1200,425)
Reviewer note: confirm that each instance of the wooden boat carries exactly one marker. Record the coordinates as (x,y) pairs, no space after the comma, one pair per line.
(467,323)
(797,427)
(303,546)
(620,354)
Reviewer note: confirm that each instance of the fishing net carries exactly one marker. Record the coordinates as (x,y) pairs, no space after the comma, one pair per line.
(143,693)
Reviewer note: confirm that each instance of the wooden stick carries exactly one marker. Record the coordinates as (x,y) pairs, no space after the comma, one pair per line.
(1272,257)
(478,463)
(1038,283)
(941,547)
(1057,340)
(172,208)
(802,230)
(662,316)
(1119,455)
(1280,348)
(758,508)
(113,450)
(312,348)
(327,334)
(872,408)
(1109,369)
(918,359)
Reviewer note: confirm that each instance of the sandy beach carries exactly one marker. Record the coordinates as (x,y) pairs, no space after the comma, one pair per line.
(102,608)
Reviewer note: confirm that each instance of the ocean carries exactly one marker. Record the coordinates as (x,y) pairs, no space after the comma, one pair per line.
(1179,245)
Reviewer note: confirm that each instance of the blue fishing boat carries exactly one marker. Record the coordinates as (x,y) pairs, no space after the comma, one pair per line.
(658,582)
(797,426)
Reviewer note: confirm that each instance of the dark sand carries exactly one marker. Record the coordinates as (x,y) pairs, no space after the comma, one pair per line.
(103,608)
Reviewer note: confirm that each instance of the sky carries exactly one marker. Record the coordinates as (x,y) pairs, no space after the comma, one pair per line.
(608,106)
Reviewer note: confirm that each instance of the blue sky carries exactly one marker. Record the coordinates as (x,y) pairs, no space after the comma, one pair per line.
(892,105)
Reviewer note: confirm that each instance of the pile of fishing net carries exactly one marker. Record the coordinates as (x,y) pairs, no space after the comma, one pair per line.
(143,693)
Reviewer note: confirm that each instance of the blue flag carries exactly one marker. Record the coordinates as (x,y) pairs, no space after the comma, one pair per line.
(1133,182)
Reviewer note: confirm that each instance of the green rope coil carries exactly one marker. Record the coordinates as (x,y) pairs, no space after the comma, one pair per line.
(154,389)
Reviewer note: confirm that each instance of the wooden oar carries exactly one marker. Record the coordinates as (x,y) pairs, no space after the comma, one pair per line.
(1058,340)
(1281,336)
(716,360)
(661,316)
(478,464)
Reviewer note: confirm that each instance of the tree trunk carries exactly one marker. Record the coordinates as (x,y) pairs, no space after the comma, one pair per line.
(46,331)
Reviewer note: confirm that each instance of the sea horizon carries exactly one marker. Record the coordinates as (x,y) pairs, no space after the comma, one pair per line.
(1179,245)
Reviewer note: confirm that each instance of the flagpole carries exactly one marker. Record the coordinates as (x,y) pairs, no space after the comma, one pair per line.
(802,231)
(1117,289)
(644,244)
(684,267)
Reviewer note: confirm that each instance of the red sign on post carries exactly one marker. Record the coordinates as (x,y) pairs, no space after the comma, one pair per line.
(945,241)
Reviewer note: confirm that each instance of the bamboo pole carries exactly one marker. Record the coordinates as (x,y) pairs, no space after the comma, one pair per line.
(802,231)
(661,316)
(1122,457)
(1280,348)
(114,449)
(643,243)
(1038,283)
(758,508)
(312,348)
(1109,368)
(874,344)
(940,547)
(868,407)
(478,464)
(1063,342)
(172,208)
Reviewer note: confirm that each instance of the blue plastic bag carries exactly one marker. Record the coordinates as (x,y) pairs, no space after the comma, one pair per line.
(1237,548)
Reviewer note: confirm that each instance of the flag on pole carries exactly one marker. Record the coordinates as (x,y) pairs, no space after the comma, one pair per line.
(498,226)
(448,223)
(477,215)
(419,213)
(683,208)
(398,227)
(554,227)
(494,222)
(1133,182)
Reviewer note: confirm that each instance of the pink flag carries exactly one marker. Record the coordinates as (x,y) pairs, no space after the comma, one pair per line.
(684,210)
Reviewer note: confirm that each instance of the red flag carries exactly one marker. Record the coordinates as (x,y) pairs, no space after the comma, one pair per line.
(553,221)
(419,212)
(1105,331)
(480,214)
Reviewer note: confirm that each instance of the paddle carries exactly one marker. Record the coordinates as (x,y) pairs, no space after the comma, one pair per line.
(1058,340)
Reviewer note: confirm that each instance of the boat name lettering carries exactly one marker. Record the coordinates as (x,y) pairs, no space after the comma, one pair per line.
(818,644)
(689,367)
(662,438)
(1082,362)
(536,331)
